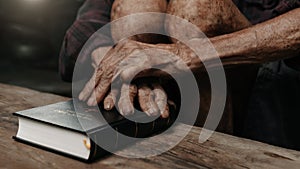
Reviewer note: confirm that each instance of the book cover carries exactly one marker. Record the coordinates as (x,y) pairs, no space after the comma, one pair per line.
(85,122)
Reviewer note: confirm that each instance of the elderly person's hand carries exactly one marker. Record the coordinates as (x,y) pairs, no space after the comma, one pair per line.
(122,63)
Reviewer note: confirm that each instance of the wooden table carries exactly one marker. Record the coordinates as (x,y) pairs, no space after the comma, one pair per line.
(220,151)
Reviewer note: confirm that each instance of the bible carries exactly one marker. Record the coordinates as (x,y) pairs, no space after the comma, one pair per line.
(59,128)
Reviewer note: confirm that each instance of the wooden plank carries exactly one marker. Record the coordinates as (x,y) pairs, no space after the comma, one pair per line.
(220,151)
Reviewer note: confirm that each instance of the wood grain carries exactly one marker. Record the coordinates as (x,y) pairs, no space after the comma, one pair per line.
(220,151)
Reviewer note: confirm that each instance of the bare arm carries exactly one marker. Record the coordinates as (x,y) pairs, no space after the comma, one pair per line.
(275,39)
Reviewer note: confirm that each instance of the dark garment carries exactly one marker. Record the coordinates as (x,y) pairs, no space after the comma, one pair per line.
(274,108)
(91,16)
(273,113)
(261,10)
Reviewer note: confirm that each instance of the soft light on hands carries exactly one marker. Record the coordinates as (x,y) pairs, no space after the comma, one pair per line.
(123,62)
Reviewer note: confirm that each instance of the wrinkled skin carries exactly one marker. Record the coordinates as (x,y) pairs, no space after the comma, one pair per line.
(122,8)
(125,103)
(212,17)
(120,60)
(264,42)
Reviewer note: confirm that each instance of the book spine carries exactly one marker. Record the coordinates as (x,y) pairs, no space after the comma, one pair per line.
(128,128)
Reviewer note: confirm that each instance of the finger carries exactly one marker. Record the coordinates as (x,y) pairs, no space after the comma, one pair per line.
(94,65)
(146,100)
(97,56)
(160,98)
(99,92)
(110,100)
(166,112)
(91,86)
(103,75)
(92,99)
(88,88)
(103,79)
(172,104)
(125,104)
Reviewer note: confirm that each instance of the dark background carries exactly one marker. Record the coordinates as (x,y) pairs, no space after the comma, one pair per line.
(31,35)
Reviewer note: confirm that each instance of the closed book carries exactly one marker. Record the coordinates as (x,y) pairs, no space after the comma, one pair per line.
(61,129)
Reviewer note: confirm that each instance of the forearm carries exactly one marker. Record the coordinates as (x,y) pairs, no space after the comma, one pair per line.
(272,40)
(275,39)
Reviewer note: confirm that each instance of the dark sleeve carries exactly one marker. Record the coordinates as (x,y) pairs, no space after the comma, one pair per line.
(91,16)
(286,5)
(258,11)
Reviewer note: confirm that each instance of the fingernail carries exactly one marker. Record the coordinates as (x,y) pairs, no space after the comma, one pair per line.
(152,112)
(125,112)
(147,112)
(107,106)
(121,112)
(95,103)
(90,102)
(80,97)
(130,112)
(164,115)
